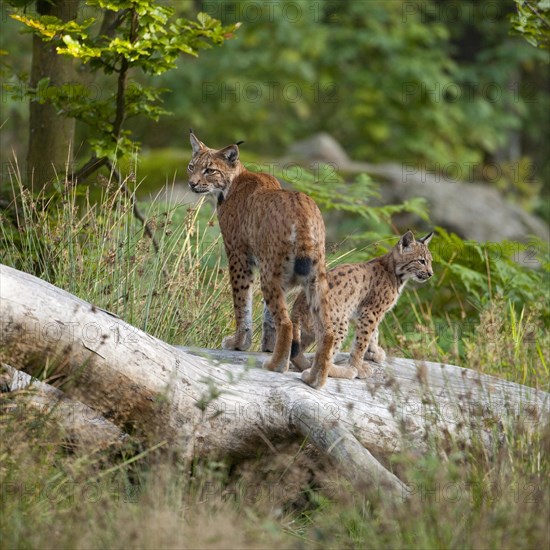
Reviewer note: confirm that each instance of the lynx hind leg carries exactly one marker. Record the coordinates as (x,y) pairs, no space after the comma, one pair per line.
(274,297)
(374,351)
(269,334)
(241,277)
(317,294)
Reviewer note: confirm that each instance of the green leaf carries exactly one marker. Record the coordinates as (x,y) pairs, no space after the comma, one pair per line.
(78,49)
(146,39)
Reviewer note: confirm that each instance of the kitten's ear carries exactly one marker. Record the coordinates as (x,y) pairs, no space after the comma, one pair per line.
(230,154)
(196,143)
(426,240)
(405,241)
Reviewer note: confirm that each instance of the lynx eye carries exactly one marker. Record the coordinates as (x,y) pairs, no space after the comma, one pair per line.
(190,167)
(422,261)
(207,171)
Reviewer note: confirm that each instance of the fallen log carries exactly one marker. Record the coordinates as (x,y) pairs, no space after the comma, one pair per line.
(215,402)
(82,426)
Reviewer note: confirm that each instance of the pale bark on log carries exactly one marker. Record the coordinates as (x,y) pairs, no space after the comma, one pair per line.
(82,426)
(219,402)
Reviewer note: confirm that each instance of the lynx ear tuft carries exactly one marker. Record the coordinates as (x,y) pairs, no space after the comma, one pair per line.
(406,240)
(426,240)
(196,144)
(239,143)
(229,153)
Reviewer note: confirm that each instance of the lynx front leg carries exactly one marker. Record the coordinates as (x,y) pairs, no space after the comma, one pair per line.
(365,328)
(341,371)
(301,340)
(374,351)
(242,278)
(268,331)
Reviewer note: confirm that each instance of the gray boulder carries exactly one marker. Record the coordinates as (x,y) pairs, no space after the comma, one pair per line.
(475,211)
(320,147)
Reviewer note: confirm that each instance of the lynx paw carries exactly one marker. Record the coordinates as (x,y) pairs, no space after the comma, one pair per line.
(240,341)
(277,367)
(313,378)
(343,371)
(377,354)
(364,371)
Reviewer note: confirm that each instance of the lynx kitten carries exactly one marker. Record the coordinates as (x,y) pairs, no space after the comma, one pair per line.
(362,293)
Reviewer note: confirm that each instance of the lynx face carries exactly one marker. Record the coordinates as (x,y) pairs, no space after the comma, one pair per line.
(212,171)
(412,258)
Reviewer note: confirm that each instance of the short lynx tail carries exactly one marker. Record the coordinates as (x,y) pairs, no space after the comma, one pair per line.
(302,266)
(307,248)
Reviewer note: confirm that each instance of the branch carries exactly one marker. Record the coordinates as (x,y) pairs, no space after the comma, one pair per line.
(537,14)
(342,447)
(95,164)
(120,99)
(121,84)
(88,169)
(111,21)
(137,213)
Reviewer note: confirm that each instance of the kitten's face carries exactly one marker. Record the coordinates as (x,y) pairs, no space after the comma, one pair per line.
(412,258)
(211,171)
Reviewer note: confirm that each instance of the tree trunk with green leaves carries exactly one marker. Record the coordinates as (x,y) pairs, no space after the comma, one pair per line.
(51,134)
(134,34)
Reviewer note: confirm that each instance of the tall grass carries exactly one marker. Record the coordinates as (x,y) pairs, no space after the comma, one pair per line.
(457,497)
(460,496)
(99,252)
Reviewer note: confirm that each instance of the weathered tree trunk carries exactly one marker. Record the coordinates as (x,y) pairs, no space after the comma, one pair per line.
(50,134)
(82,426)
(219,402)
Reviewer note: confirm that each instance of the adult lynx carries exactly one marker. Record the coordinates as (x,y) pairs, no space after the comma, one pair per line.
(363,293)
(282,234)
